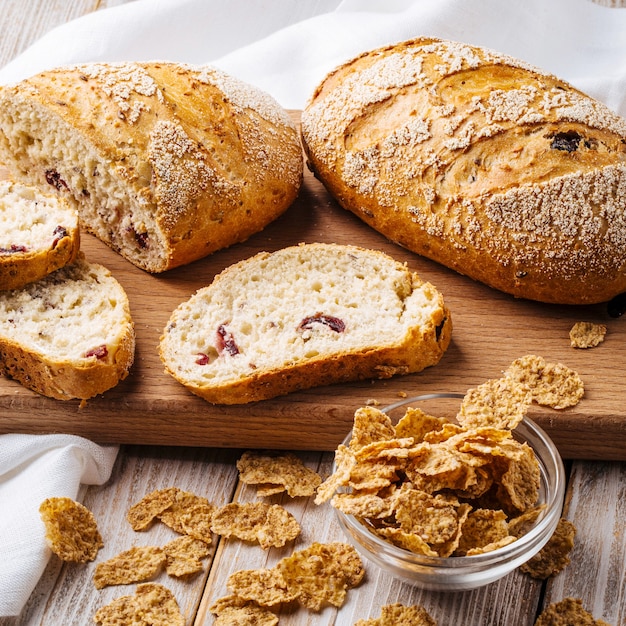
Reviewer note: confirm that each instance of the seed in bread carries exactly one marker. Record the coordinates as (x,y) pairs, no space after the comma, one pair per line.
(304,316)
(165,162)
(68,335)
(476,160)
(38,234)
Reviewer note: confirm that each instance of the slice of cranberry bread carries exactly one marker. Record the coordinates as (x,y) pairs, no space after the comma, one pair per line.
(39,234)
(304,316)
(68,335)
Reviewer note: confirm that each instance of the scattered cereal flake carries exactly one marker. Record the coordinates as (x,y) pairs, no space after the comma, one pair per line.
(481,528)
(373,474)
(152,605)
(370,425)
(157,605)
(120,612)
(71,529)
(197,521)
(586,334)
(519,485)
(551,384)
(566,612)
(235,611)
(433,518)
(266,587)
(554,556)
(368,505)
(284,472)
(322,573)
(408,541)
(344,464)
(400,615)
(137,564)
(271,525)
(416,423)
(176,514)
(501,403)
(183,556)
(144,512)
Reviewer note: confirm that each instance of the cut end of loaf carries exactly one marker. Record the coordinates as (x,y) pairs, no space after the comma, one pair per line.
(304,316)
(166,163)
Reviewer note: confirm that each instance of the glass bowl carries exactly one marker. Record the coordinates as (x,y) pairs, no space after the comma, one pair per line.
(458,573)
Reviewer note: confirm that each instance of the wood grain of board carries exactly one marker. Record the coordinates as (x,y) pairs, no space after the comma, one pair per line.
(490,329)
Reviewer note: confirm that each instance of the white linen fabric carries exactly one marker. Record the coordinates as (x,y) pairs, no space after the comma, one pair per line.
(33,468)
(284,47)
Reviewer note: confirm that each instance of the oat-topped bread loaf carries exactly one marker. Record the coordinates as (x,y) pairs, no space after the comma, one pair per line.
(480,162)
(166,163)
(68,335)
(38,234)
(304,316)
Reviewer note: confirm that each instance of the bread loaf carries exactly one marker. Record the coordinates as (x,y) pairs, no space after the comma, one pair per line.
(165,162)
(38,234)
(68,335)
(304,316)
(491,167)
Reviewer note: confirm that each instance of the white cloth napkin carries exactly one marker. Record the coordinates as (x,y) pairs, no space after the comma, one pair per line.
(284,47)
(33,468)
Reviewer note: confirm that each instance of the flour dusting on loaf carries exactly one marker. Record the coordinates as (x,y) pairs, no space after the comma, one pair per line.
(68,335)
(301,317)
(478,161)
(39,234)
(165,162)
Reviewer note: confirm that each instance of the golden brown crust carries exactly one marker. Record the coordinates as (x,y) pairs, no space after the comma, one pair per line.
(20,268)
(195,160)
(62,380)
(480,162)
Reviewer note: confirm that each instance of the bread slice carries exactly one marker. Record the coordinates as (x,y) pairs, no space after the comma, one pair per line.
(38,234)
(165,162)
(304,316)
(68,335)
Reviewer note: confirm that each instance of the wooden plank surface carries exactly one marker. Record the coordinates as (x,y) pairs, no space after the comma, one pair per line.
(596,499)
(491,329)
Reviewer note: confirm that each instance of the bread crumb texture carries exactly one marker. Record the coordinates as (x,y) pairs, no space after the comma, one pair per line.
(68,335)
(479,161)
(165,162)
(303,316)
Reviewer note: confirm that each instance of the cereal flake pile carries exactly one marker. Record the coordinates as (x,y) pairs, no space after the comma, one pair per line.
(443,489)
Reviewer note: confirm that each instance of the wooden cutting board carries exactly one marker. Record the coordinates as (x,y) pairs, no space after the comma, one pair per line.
(491,329)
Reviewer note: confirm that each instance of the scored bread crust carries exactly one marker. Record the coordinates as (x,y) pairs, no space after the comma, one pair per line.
(165,162)
(301,317)
(479,161)
(39,234)
(69,335)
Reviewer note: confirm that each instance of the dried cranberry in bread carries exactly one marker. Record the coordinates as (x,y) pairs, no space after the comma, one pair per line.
(38,234)
(165,162)
(68,335)
(480,162)
(304,316)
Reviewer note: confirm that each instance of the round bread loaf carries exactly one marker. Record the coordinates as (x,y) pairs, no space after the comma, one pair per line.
(38,234)
(301,317)
(480,162)
(68,335)
(165,162)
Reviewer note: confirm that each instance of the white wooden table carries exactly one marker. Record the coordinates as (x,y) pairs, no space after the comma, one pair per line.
(595,503)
